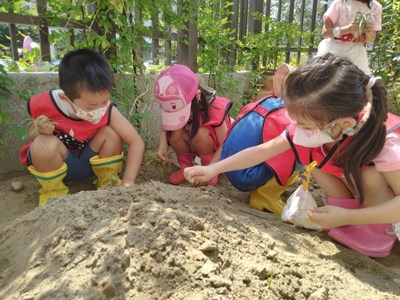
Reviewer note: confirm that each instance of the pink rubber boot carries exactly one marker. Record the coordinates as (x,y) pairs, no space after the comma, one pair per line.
(371,240)
(185,160)
(205,160)
(342,202)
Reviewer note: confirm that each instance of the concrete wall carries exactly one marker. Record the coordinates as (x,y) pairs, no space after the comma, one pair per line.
(29,84)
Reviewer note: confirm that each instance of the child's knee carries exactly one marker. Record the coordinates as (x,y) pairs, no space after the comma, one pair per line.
(177,136)
(46,145)
(107,132)
(202,136)
(203,141)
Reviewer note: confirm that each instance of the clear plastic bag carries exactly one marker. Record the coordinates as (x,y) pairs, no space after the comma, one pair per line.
(299,203)
(396,229)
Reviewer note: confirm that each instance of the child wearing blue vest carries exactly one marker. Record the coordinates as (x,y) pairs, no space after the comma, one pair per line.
(257,122)
(340,120)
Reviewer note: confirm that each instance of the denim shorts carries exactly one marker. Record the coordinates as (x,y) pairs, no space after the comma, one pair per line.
(78,163)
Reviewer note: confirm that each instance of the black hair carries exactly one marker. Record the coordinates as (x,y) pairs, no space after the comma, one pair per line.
(200,109)
(328,87)
(84,69)
(368,2)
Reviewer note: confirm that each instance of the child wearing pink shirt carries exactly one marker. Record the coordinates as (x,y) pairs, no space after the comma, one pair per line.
(341,121)
(345,32)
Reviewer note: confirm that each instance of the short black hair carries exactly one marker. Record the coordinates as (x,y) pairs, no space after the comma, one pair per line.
(84,69)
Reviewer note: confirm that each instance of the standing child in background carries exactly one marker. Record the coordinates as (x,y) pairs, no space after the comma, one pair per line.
(194,119)
(348,26)
(78,132)
(340,120)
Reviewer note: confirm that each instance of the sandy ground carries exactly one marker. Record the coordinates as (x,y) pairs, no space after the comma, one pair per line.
(172,242)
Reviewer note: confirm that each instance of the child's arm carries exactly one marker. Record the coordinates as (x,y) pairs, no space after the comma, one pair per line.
(163,146)
(135,143)
(386,212)
(244,159)
(334,216)
(370,33)
(329,31)
(221,132)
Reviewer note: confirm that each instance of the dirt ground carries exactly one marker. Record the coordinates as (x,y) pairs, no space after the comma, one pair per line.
(172,242)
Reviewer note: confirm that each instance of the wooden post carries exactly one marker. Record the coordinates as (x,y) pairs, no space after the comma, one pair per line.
(43,30)
(155,42)
(303,5)
(183,36)
(14,45)
(255,6)
(290,21)
(193,41)
(313,22)
(244,10)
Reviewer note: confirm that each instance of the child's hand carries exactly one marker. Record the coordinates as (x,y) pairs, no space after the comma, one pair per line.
(353,27)
(369,27)
(41,125)
(162,155)
(198,174)
(328,216)
(128,184)
(45,126)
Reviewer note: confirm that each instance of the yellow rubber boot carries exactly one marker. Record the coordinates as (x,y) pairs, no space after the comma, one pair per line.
(51,182)
(107,170)
(268,196)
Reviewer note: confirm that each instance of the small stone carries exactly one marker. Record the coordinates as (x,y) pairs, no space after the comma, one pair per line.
(17,186)
(27,296)
(208,246)
(208,268)
(320,294)
(218,281)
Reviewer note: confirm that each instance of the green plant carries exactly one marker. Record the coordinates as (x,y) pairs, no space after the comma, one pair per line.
(130,101)
(215,40)
(385,57)
(5,84)
(264,51)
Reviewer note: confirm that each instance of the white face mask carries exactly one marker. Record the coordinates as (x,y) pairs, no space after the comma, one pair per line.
(93,116)
(315,138)
(311,139)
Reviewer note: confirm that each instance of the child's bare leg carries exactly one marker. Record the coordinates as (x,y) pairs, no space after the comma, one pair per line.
(331,185)
(202,142)
(179,141)
(107,142)
(377,190)
(47,153)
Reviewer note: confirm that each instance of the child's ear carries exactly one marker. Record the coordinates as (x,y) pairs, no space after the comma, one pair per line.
(347,125)
(63,97)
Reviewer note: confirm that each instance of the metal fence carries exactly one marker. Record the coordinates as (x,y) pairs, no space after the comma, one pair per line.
(306,13)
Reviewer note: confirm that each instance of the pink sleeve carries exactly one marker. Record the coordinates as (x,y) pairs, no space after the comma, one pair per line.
(389,158)
(332,12)
(378,17)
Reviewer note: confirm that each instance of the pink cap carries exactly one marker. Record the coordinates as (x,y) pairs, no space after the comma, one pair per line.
(175,88)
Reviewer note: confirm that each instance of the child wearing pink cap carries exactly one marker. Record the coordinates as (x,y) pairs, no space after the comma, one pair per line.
(194,120)
(346,31)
